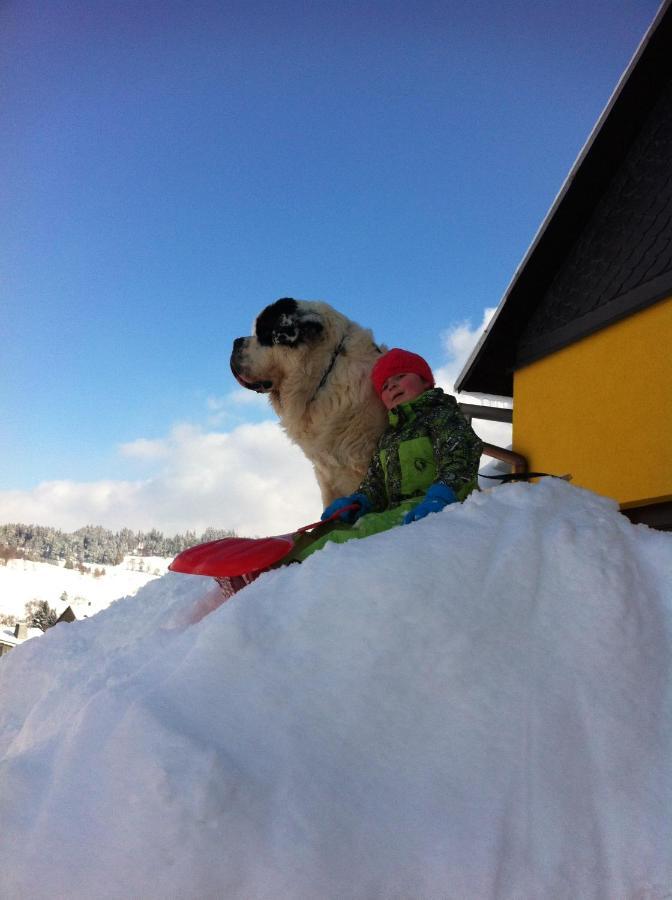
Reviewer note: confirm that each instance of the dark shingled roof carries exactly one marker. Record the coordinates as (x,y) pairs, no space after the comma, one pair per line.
(542,309)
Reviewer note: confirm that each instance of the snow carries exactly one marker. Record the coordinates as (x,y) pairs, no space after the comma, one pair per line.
(473,706)
(22,581)
(8,637)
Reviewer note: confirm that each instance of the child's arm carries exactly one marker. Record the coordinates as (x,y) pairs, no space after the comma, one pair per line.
(457,451)
(373,486)
(371,495)
(457,447)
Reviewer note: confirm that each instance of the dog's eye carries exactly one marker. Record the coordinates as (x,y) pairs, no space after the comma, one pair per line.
(277,319)
(286,337)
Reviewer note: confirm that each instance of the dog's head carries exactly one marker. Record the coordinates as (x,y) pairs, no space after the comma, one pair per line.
(281,332)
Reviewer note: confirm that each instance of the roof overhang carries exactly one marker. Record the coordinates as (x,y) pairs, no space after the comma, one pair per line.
(490,367)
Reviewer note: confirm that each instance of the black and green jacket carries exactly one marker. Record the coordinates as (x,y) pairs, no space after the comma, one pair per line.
(426,440)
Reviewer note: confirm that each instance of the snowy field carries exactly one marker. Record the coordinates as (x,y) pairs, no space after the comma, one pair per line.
(22,581)
(474,706)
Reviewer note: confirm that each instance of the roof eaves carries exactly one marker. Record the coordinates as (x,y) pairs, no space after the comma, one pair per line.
(489,335)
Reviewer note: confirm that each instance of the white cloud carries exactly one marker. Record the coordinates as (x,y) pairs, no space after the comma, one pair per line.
(251,479)
(457,343)
(230,409)
(246,398)
(144,449)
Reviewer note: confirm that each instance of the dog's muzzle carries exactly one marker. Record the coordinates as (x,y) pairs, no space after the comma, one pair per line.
(261,387)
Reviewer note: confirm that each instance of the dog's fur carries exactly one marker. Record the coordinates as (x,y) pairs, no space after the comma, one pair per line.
(315,364)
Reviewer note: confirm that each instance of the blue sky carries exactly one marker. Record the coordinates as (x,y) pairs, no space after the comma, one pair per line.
(169,168)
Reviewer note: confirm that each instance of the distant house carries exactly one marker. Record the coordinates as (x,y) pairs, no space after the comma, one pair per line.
(68,615)
(582,339)
(11,637)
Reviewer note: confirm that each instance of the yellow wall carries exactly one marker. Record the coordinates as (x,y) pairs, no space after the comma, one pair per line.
(601,409)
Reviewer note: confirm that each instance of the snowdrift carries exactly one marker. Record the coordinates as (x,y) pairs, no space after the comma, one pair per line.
(474,706)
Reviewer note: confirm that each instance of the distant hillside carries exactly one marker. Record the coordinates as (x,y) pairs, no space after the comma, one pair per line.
(87,588)
(94,544)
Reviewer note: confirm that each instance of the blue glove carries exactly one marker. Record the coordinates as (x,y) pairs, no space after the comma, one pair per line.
(438,495)
(352,514)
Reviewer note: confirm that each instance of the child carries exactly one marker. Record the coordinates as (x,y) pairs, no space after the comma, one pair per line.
(426,458)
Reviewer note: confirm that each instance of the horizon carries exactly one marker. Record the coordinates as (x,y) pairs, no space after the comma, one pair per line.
(172,168)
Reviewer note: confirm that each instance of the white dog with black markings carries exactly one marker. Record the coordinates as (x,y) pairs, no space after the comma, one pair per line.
(314,364)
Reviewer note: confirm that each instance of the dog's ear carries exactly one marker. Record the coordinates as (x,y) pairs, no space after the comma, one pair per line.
(310,327)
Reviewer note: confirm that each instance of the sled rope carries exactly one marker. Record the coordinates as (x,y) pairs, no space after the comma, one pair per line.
(524,476)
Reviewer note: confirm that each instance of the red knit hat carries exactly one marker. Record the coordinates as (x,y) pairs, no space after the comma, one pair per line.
(396,362)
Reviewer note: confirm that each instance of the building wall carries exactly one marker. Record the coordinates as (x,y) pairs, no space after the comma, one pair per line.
(601,409)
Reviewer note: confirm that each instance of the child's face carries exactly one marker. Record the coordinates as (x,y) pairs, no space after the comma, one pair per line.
(402,388)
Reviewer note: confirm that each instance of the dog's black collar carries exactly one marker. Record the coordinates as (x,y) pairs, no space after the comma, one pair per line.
(331,365)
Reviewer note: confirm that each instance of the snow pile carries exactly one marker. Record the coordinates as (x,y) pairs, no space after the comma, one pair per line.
(474,706)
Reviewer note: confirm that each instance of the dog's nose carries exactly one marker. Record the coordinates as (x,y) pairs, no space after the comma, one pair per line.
(238,342)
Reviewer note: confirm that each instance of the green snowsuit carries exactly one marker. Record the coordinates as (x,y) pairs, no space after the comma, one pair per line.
(426,440)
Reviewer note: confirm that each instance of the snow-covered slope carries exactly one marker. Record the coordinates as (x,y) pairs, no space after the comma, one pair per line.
(474,706)
(22,580)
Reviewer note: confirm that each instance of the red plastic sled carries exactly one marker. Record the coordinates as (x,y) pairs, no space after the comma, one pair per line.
(242,557)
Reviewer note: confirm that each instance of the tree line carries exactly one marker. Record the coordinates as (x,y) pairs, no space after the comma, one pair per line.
(37,614)
(93,544)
